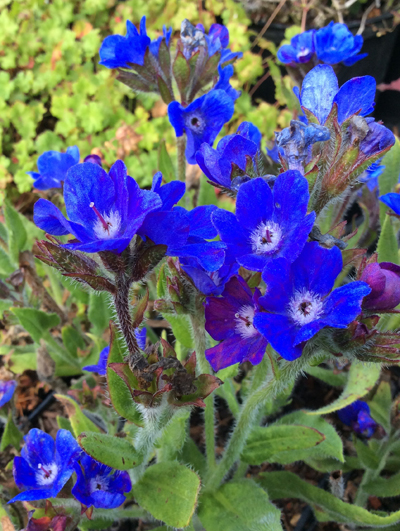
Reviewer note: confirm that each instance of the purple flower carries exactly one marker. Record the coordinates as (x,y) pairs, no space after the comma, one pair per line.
(105,210)
(371,175)
(392,200)
(229,319)
(320,91)
(384,281)
(377,139)
(202,120)
(100,485)
(101,366)
(299,301)
(53,167)
(357,416)
(6,391)
(223,82)
(233,153)
(335,43)
(44,467)
(122,52)
(166,225)
(268,224)
(300,50)
(208,255)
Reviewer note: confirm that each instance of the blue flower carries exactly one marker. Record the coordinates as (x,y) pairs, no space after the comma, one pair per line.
(100,485)
(299,302)
(53,167)
(154,46)
(392,200)
(335,43)
(44,467)
(101,366)
(233,153)
(202,120)
(377,139)
(123,52)
(300,50)
(6,391)
(210,282)
(371,175)
(357,416)
(268,224)
(223,83)
(208,255)
(320,91)
(229,319)
(166,225)
(274,152)
(105,210)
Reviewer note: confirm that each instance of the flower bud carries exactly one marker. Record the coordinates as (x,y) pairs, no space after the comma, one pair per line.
(384,280)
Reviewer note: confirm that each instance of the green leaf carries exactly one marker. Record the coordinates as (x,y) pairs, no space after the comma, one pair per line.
(384,488)
(192,456)
(72,340)
(169,492)
(64,424)
(165,165)
(36,322)
(120,395)
(387,243)
(6,267)
(21,362)
(274,443)
(381,405)
(368,458)
(99,312)
(173,437)
(330,447)
(111,451)
(181,71)
(17,235)
(390,176)
(239,506)
(288,485)
(362,378)
(78,419)
(181,328)
(11,435)
(328,376)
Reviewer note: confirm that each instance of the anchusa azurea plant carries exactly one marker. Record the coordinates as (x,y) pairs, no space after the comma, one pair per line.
(252,292)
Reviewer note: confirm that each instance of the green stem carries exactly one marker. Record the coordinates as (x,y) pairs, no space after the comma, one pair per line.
(249,415)
(203,367)
(181,146)
(240,471)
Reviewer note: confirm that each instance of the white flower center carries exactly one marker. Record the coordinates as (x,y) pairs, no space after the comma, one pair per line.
(266,238)
(244,322)
(46,474)
(98,483)
(108,226)
(305,307)
(303,52)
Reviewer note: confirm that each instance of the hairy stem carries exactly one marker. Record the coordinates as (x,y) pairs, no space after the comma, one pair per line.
(121,299)
(181,146)
(249,415)
(203,367)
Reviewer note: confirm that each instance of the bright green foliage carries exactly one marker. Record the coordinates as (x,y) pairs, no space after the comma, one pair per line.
(381,406)
(239,506)
(111,451)
(36,322)
(169,492)
(79,421)
(11,435)
(390,176)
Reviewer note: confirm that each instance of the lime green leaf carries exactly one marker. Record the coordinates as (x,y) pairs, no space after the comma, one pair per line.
(16,231)
(111,451)
(239,506)
(384,488)
(380,406)
(36,322)
(181,329)
(288,485)
(328,376)
(368,458)
(11,435)
(78,419)
(72,340)
(165,165)
(192,456)
(169,492)
(390,176)
(387,243)
(173,437)
(362,378)
(99,312)
(6,267)
(272,443)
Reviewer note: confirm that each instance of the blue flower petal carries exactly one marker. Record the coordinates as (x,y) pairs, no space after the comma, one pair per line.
(210,255)
(318,91)
(392,201)
(229,229)
(166,228)
(358,94)
(290,198)
(39,448)
(280,331)
(254,203)
(344,304)
(201,225)
(279,286)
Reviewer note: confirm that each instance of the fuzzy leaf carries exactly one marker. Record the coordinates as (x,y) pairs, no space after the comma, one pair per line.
(288,485)
(169,492)
(328,376)
(111,451)
(387,243)
(36,322)
(384,488)
(239,506)
(11,435)
(148,260)
(362,378)
(181,71)
(139,309)
(271,444)
(380,406)
(366,455)
(79,421)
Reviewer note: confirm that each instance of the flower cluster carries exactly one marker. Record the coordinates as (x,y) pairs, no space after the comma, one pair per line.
(45,467)
(330,45)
